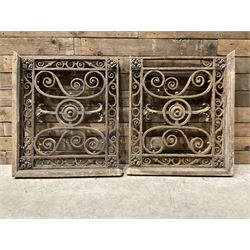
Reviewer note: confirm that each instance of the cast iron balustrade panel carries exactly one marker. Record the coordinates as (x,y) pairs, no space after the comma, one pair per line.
(67,113)
(181,115)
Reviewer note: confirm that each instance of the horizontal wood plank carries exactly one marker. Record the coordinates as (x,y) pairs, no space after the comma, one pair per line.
(5,63)
(242,114)
(242,129)
(242,99)
(5,97)
(242,143)
(5,129)
(5,114)
(241,47)
(5,157)
(196,34)
(242,157)
(242,65)
(144,47)
(37,46)
(5,81)
(111,34)
(242,81)
(5,143)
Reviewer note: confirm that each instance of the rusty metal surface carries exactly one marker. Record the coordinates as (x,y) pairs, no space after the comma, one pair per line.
(177,114)
(68,114)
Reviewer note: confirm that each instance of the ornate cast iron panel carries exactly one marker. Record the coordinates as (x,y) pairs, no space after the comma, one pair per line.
(66,117)
(181,116)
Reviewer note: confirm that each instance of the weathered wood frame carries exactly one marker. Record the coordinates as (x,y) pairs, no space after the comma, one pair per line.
(226,169)
(112,161)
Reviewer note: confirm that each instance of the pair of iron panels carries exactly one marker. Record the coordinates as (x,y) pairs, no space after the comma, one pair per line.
(66,116)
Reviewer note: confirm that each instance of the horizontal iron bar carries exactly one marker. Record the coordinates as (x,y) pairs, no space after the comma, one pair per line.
(68,156)
(72,57)
(178,68)
(176,155)
(69,69)
(176,57)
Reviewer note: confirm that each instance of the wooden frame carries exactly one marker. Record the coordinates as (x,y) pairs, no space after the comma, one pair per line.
(155,155)
(36,150)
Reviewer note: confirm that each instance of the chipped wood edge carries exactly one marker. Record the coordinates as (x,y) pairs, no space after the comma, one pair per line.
(229,112)
(15,113)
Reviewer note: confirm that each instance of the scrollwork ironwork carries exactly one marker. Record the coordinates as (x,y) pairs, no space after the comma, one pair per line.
(62,101)
(177,115)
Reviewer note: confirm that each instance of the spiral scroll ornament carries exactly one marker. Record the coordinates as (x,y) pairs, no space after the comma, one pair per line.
(156,84)
(177,112)
(70,112)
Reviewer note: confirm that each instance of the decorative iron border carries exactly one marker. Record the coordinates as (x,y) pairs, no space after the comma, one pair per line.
(35,152)
(212,156)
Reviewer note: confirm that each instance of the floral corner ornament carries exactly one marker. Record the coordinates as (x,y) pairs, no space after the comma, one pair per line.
(111,63)
(136,161)
(220,64)
(136,63)
(28,63)
(219,162)
(112,162)
(25,164)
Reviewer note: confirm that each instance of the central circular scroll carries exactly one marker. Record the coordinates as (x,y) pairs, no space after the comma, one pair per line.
(177,112)
(70,112)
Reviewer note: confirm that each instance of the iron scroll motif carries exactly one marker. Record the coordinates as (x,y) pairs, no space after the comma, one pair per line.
(177,115)
(69,116)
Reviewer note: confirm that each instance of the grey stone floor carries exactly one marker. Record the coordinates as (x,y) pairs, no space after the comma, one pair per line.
(127,197)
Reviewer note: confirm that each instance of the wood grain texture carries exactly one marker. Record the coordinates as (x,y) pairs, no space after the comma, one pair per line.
(242,157)
(229,109)
(242,65)
(5,114)
(242,81)
(241,47)
(242,114)
(5,143)
(242,98)
(5,64)
(5,157)
(5,80)
(242,143)
(195,34)
(5,129)
(37,46)
(37,34)
(242,129)
(5,97)
(144,47)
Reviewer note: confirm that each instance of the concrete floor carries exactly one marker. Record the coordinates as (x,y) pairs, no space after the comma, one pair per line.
(127,197)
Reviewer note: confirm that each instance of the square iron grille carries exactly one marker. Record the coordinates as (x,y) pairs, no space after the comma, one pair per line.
(181,116)
(65,116)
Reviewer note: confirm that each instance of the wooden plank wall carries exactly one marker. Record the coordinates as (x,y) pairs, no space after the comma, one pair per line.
(124,44)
